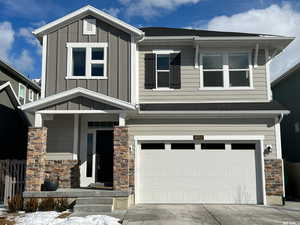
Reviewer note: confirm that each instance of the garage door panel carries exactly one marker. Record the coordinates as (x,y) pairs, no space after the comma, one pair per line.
(195,176)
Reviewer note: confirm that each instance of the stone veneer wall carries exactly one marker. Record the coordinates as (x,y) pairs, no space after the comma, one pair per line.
(36,155)
(65,173)
(273,175)
(121,159)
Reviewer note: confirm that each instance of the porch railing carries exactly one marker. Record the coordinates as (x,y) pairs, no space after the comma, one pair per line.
(12,178)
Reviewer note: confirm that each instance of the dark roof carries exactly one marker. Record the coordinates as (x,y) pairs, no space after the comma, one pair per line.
(14,73)
(2,82)
(213,106)
(286,75)
(167,31)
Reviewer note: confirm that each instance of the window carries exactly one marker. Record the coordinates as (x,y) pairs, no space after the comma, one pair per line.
(243,146)
(213,146)
(213,70)
(87,60)
(239,71)
(30,95)
(225,70)
(153,146)
(181,146)
(163,70)
(22,94)
(89,26)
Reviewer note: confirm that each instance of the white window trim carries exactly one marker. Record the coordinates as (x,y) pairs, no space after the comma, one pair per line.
(20,85)
(89,61)
(30,95)
(93,23)
(162,52)
(225,69)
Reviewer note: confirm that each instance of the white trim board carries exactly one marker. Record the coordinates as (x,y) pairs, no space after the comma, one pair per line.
(76,92)
(11,92)
(80,111)
(44,62)
(85,10)
(206,138)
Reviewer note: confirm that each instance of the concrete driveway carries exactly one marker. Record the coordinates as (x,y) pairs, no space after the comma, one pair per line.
(212,214)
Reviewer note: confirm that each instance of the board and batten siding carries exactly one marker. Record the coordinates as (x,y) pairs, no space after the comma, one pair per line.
(190,81)
(118,60)
(175,127)
(60,137)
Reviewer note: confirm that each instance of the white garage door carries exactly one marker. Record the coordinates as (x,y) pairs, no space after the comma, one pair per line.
(186,172)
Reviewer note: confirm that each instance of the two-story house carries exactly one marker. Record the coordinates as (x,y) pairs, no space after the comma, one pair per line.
(15,90)
(161,115)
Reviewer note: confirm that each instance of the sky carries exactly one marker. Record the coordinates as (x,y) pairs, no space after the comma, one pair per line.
(22,50)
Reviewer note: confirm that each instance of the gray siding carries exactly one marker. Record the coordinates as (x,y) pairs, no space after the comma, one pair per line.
(60,136)
(144,127)
(81,103)
(286,92)
(118,69)
(5,76)
(190,81)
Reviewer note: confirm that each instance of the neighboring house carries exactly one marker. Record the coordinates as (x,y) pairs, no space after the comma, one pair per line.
(163,115)
(15,90)
(286,91)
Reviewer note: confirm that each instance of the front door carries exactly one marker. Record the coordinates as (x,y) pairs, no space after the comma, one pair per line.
(104,157)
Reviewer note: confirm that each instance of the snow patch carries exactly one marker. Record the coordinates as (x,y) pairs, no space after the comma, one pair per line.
(49,218)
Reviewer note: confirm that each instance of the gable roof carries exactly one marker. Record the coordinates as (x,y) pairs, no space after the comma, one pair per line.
(285,75)
(168,31)
(84,11)
(6,86)
(19,75)
(73,93)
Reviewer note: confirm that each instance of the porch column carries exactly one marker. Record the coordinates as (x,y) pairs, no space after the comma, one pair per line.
(121,158)
(36,158)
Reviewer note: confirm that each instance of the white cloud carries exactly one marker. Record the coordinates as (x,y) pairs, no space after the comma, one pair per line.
(275,19)
(150,8)
(23,62)
(6,39)
(113,11)
(30,39)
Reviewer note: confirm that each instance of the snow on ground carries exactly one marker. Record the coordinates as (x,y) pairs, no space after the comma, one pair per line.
(49,218)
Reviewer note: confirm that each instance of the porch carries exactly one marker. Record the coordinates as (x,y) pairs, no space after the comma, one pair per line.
(80,140)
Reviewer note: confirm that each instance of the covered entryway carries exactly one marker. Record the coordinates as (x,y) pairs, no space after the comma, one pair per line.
(188,171)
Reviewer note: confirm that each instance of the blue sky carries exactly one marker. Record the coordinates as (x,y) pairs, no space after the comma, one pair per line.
(19,17)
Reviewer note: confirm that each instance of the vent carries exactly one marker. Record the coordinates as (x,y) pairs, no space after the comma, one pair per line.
(89,26)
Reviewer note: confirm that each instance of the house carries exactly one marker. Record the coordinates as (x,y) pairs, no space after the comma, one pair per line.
(160,115)
(15,89)
(286,91)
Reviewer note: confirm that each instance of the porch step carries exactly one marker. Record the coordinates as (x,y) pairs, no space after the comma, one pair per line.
(96,205)
(103,200)
(95,208)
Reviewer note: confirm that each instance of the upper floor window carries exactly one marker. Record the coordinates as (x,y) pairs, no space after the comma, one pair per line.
(89,26)
(226,70)
(22,94)
(163,70)
(31,94)
(87,60)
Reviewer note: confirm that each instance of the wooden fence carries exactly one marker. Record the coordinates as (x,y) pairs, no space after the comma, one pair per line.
(12,178)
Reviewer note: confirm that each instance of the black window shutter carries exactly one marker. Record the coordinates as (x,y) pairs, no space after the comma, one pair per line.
(150,81)
(175,71)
